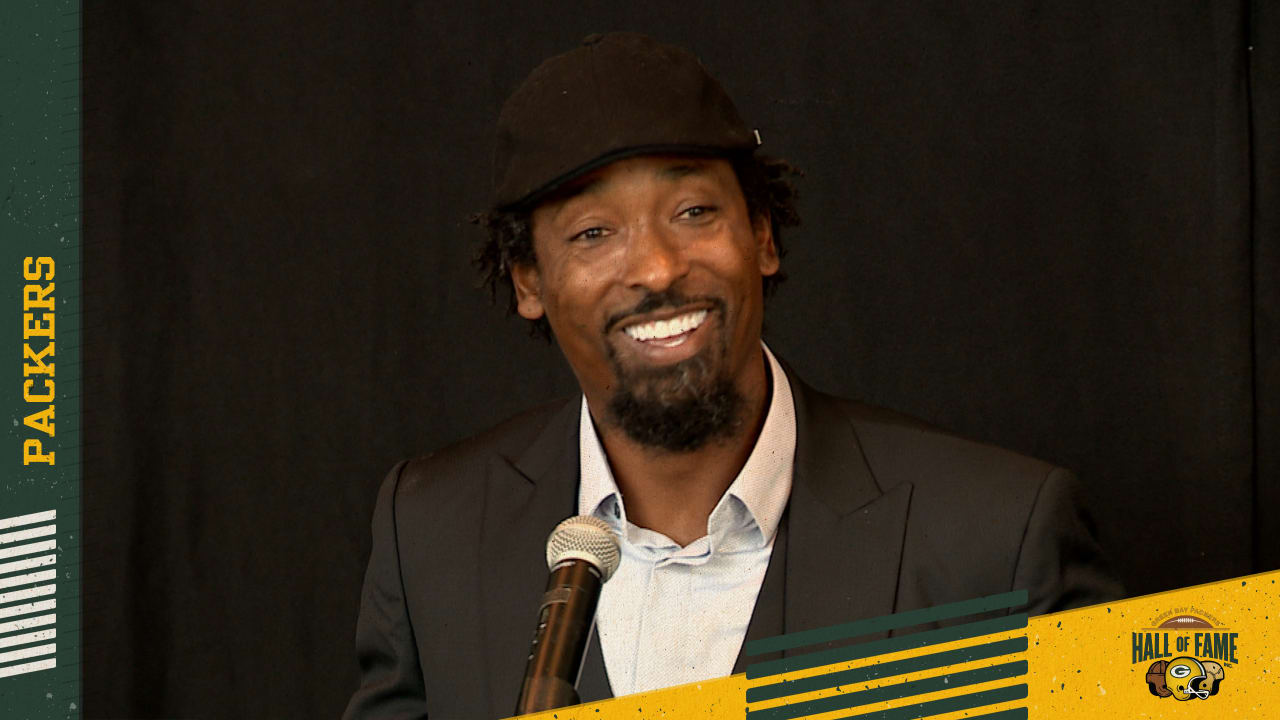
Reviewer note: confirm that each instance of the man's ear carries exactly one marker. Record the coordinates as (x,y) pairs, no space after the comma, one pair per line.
(766,251)
(528,287)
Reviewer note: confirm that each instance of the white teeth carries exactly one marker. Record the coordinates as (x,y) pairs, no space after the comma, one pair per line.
(662,329)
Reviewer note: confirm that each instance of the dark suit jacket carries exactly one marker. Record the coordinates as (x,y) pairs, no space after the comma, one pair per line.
(886,514)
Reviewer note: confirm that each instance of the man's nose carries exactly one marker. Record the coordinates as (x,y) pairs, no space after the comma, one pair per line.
(655,258)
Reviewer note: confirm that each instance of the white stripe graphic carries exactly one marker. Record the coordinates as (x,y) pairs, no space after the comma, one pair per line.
(27,534)
(31,637)
(28,549)
(28,608)
(26,623)
(29,578)
(28,667)
(28,519)
(29,628)
(27,652)
(6,568)
(24,594)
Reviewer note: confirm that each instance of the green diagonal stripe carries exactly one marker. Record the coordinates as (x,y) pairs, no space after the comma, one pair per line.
(896,691)
(888,645)
(1017,598)
(884,670)
(946,705)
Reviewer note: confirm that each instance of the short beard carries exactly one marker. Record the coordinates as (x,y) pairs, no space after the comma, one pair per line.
(679,409)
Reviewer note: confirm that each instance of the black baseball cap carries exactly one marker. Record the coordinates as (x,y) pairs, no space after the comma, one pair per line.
(614,96)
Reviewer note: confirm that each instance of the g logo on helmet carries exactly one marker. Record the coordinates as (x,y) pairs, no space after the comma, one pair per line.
(1185,677)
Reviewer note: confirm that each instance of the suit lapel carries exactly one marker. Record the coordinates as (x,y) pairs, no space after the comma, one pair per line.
(767,616)
(524,499)
(839,546)
(845,536)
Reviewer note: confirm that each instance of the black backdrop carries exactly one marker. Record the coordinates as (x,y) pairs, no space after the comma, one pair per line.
(1051,226)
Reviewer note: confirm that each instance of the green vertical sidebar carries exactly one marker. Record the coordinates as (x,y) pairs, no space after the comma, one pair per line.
(40,370)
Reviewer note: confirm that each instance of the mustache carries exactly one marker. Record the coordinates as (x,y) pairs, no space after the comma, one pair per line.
(667,299)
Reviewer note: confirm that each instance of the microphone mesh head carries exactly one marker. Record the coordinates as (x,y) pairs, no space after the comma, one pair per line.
(584,538)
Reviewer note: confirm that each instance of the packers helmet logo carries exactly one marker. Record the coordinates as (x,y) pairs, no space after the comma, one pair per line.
(1185,651)
(1185,678)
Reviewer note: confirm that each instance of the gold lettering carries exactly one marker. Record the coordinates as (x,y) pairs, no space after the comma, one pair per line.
(42,421)
(40,367)
(33,451)
(37,296)
(37,327)
(26,391)
(31,268)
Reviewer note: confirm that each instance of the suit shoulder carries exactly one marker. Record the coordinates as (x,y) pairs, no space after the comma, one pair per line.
(463,461)
(983,519)
(899,447)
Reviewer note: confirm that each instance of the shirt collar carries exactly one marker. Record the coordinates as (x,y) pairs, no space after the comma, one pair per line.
(762,486)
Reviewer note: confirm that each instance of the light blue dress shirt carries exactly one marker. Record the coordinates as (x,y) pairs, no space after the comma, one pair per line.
(673,615)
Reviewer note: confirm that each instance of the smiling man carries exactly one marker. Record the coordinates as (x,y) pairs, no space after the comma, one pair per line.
(634,222)
(649,272)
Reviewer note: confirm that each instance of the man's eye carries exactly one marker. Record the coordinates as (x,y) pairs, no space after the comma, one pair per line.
(594,233)
(698,211)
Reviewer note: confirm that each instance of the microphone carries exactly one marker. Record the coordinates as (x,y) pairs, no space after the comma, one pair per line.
(582,554)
